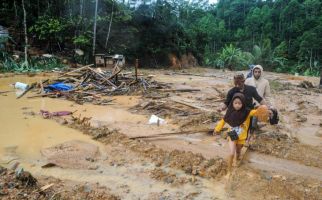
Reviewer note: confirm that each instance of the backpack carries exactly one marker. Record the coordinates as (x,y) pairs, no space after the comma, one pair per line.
(274,119)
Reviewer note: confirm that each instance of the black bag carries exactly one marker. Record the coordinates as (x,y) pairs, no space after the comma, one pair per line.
(274,119)
(233,135)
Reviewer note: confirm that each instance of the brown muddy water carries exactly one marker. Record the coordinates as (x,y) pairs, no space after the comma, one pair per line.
(24,134)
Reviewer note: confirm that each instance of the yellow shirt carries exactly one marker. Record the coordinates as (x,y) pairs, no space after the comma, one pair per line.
(244,126)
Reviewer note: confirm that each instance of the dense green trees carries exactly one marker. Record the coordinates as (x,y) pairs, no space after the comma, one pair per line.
(283,35)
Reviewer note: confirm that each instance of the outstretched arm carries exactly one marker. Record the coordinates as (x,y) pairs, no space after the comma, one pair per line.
(219,126)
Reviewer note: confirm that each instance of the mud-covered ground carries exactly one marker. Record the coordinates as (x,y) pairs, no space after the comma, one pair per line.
(93,154)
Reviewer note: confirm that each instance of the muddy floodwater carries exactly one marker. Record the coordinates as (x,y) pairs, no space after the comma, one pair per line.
(26,137)
(24,134)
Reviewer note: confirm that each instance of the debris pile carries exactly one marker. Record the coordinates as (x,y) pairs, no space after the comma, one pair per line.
(165,108)
(87,84)
(306,84)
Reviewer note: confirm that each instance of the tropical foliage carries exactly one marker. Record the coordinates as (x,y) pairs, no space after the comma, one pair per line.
(282,35)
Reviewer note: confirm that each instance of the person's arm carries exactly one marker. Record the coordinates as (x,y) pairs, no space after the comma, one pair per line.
(252,112)
(267,94)
(219,126)
(257,97)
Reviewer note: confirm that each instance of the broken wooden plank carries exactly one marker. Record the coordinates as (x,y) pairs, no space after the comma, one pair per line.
(173,133)
(118,87)
(43,188)
(78,69)
(190,105)
(100,75)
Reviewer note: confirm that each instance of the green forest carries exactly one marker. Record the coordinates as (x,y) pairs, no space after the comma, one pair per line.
(281,35)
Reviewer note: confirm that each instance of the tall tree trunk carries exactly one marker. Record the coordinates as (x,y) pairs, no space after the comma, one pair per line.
(69,9)
(95,16)
(16,11)
(311,54)
(81,2)
(38,8)
(109,26)
(320,77)
(25,30)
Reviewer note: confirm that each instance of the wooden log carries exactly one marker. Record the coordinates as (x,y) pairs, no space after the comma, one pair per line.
(79,69)
(115,72)
(100,75)
(190,105)
(173,133)
(119,87)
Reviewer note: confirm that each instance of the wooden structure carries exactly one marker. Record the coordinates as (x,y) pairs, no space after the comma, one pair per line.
(109,61)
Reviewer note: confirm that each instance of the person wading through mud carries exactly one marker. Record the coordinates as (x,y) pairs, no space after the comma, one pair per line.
(238,117)
(248,91)
(260,83)
(263,89)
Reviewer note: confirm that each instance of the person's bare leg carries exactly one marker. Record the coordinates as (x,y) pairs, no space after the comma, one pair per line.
(238,150)
(232,152)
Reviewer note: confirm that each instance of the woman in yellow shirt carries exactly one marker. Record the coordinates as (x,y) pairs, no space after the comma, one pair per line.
(238,118)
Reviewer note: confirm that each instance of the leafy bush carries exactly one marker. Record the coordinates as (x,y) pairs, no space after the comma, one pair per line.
(233,58)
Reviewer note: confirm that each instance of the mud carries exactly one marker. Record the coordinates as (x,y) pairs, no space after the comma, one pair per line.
(13,187)
(190,163)
(282,146)
(267,185)
(243,180)
(72,154)
(105,163)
